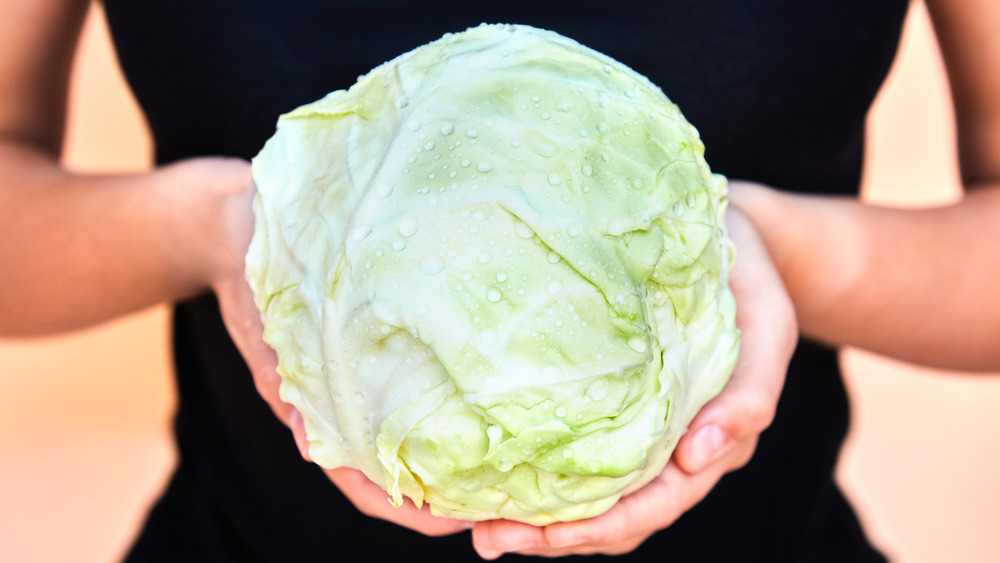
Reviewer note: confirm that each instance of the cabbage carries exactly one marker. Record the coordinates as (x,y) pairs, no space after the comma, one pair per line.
(494,271)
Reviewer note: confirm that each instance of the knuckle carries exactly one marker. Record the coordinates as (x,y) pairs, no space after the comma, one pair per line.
(745,453)
(759,412)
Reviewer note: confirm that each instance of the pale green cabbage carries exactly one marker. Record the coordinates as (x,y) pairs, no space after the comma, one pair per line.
(495,273)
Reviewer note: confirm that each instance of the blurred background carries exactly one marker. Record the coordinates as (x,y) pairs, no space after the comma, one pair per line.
(84,418)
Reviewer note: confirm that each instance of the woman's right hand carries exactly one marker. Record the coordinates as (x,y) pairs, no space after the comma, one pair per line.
(243,322)
(242,319)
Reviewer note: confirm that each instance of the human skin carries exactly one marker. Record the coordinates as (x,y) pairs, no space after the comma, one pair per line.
(82,249)
(917,285)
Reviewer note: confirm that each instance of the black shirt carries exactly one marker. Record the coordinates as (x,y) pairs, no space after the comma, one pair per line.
(779,90)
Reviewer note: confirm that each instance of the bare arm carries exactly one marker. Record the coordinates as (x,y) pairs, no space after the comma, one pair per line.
(80,249)
(919,285)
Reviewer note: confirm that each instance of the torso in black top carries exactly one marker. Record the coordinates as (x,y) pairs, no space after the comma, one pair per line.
(779,90)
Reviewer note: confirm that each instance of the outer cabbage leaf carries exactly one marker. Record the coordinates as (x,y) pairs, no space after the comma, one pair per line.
(495,274)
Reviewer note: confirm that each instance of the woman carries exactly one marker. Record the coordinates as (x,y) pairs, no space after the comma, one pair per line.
(779,91)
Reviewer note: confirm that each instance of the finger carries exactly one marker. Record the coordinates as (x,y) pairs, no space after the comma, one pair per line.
(493,538)
(641,514)
(743,410)
(618,548)
(619,530)
(766,319)
(246,329)
(637,515)
(372,501)
(298,427)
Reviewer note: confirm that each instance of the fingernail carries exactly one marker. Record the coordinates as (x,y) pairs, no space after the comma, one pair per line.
(489,554)
(709,444)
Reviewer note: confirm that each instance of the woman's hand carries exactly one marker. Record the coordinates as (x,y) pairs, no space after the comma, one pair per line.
(242,320)
(721,438)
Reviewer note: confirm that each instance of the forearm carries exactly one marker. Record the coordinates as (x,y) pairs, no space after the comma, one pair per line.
(919,285)
(78,250)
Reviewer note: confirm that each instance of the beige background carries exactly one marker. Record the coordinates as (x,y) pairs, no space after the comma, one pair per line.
(84,418)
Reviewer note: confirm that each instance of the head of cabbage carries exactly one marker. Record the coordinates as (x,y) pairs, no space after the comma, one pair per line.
(494,271)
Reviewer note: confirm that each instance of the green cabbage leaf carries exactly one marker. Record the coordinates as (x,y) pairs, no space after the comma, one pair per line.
(495,274)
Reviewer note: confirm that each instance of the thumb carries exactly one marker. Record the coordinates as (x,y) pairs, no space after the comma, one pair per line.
(769,332)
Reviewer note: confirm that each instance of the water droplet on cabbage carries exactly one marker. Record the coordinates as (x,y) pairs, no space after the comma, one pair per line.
(361,232)
(598,390)
(408,226)
(545,150)
(637,343)
(523,230)
(431,265)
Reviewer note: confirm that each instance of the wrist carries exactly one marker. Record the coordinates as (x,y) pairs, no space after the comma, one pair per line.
(815,244)
(213,206)
(764,208)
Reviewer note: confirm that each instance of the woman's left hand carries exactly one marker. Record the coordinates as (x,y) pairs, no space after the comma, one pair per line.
(720,439)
